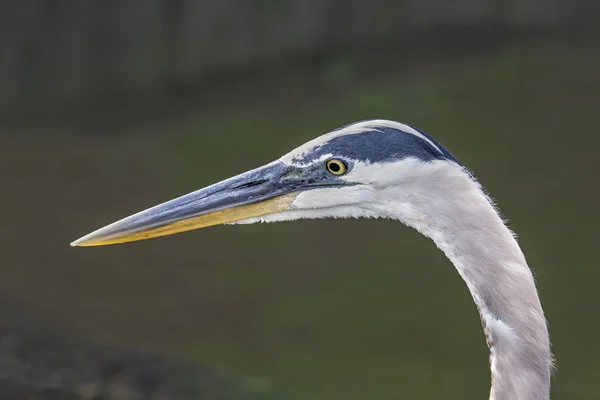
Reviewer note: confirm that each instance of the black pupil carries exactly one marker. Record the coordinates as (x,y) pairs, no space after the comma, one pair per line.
(335,167)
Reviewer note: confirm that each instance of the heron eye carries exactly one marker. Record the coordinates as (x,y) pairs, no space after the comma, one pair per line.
(336,167)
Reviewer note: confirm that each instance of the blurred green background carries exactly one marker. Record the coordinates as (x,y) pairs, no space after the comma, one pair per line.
(111,107)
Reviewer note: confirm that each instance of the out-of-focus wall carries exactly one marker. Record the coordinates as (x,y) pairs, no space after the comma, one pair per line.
(56,52)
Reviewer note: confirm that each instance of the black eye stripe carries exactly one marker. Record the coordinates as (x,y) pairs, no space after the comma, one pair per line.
(380,145)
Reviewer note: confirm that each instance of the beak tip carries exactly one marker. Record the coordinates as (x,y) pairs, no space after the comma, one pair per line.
(81,242)
(75,243)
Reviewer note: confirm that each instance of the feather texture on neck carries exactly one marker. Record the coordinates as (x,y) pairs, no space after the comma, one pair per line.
(446,204)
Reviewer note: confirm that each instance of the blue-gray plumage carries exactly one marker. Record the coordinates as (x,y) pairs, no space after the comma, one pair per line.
(383,144)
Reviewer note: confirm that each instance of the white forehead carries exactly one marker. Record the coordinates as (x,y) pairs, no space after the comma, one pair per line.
(373,125)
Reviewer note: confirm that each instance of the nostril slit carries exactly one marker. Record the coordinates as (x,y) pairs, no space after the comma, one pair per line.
(250,184)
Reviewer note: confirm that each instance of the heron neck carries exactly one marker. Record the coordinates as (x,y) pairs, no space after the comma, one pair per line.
(456,214)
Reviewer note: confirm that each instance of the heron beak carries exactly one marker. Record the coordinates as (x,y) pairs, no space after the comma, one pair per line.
(265,190)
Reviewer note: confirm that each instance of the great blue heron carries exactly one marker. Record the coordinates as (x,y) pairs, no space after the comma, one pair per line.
(385,169)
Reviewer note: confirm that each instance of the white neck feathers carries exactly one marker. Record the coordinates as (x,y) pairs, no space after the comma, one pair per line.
(443,202)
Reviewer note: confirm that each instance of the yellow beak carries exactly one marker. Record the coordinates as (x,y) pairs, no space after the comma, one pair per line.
(253,194)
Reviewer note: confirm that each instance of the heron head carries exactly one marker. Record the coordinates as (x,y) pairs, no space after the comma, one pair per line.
(341,174)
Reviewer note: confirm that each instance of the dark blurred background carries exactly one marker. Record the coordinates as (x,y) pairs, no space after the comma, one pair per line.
(109,107)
